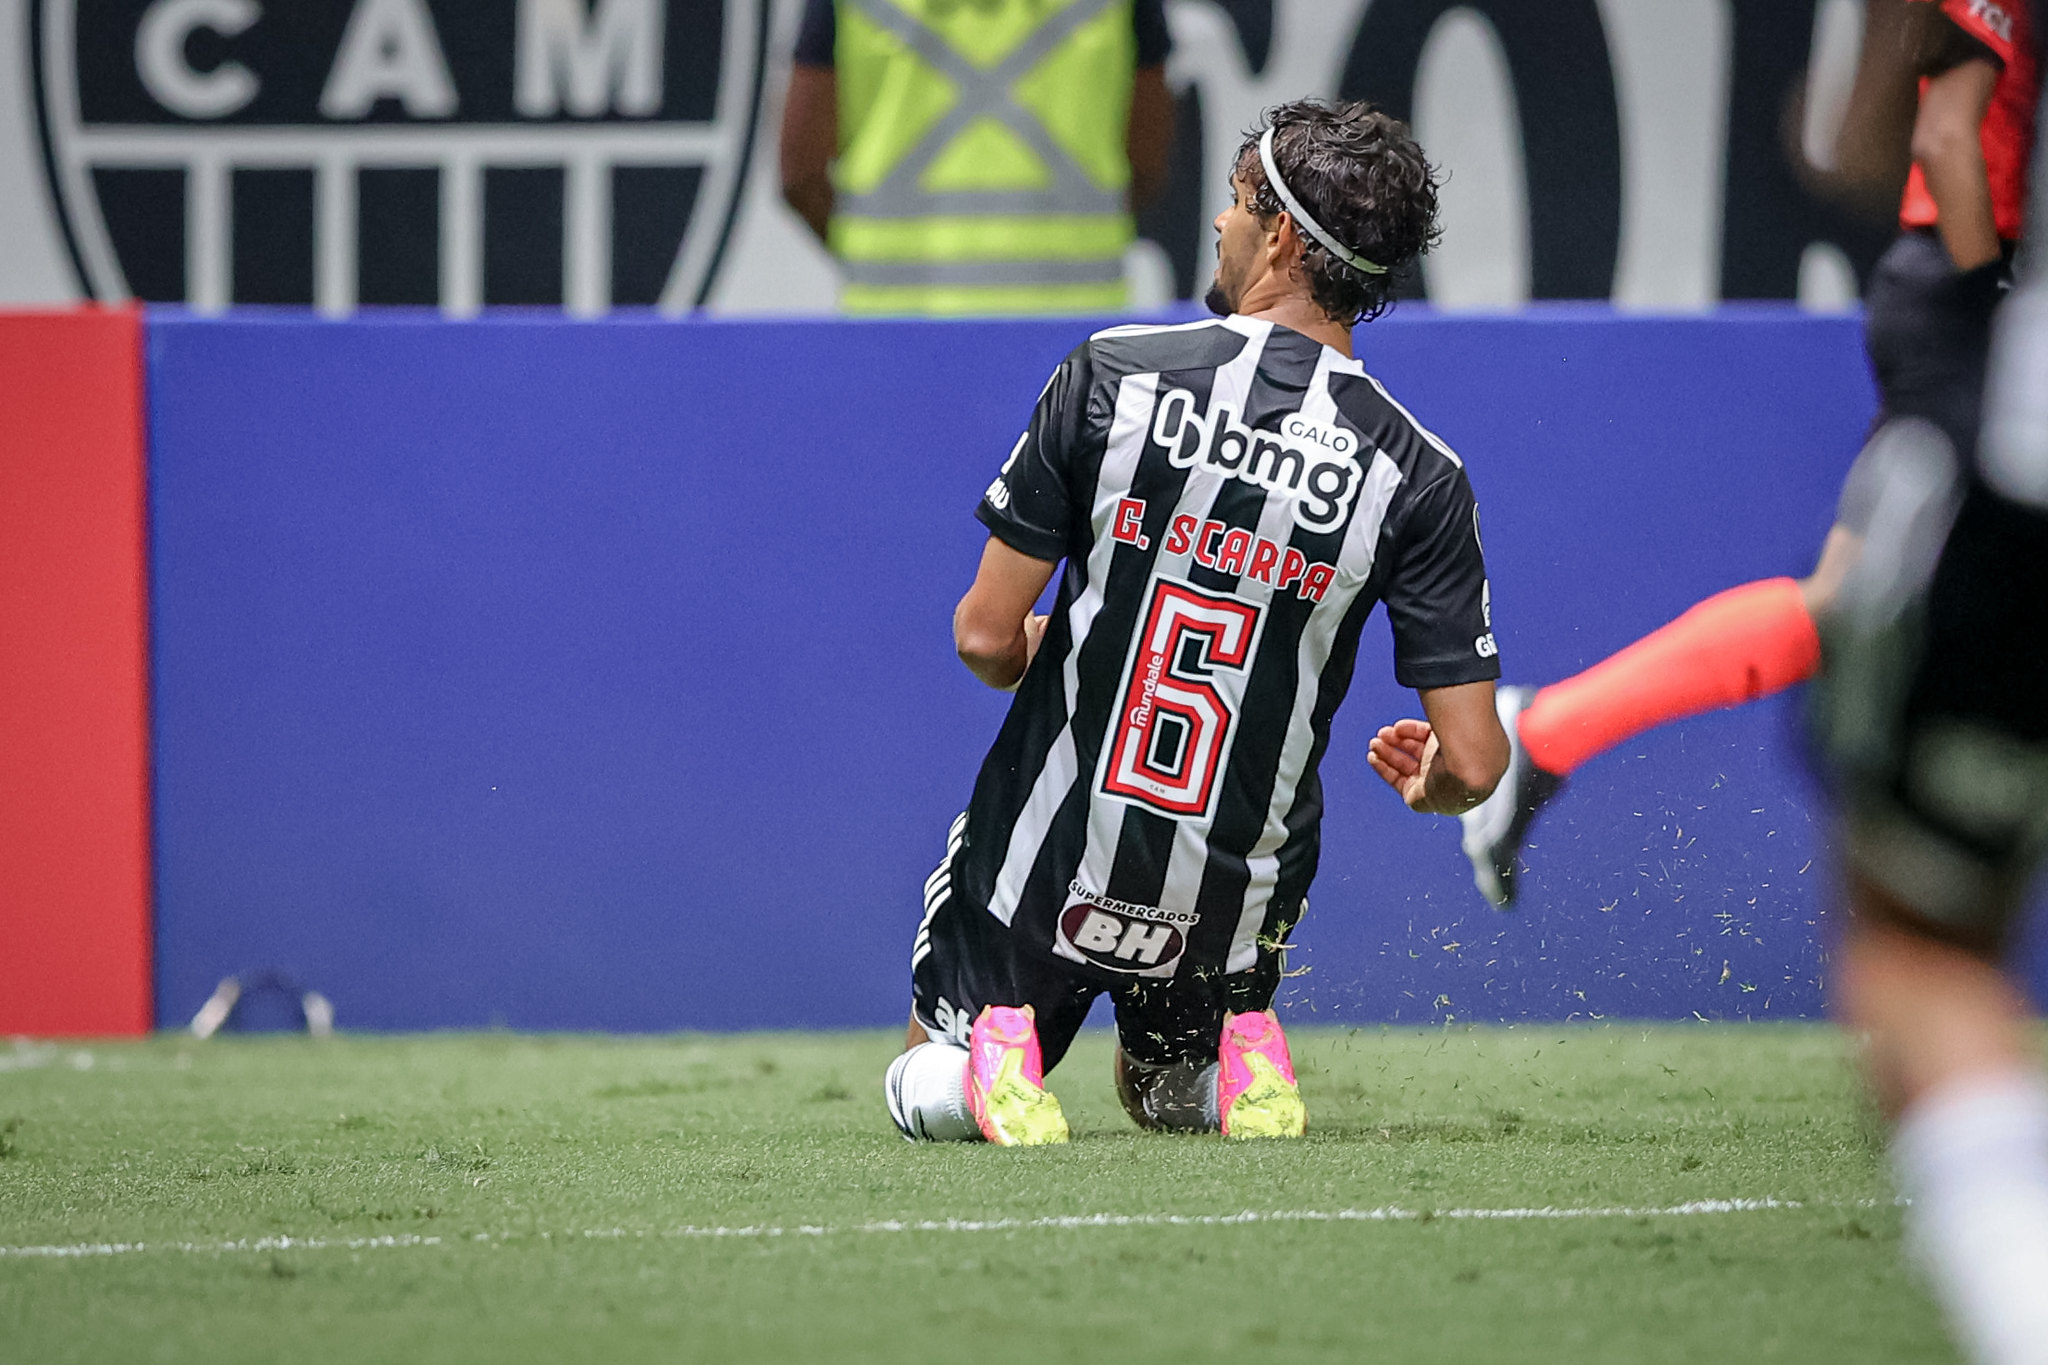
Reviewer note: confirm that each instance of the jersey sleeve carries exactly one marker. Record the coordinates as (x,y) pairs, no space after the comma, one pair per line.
(1155,42)
(817,36)
(1990,22)
(1437,597)
(1029,507)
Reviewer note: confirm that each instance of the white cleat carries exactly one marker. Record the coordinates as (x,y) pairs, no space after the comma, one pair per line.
(1495,828)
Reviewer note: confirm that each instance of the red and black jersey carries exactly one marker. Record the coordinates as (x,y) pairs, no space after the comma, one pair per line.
(1231,499)
(2004,27)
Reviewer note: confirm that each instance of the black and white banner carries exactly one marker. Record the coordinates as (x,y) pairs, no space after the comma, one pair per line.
(600,153)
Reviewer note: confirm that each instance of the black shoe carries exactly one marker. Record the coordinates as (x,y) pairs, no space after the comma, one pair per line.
(1494,829)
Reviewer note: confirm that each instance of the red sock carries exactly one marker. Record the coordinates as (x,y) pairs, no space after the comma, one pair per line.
(1736,646)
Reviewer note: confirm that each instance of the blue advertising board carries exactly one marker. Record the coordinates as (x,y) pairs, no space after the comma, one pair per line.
(599,675)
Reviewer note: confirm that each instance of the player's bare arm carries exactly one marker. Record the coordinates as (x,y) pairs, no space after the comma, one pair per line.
(810,138)
(1449,763)
(993,627)
(1948,146)
(1148,137)
(1870,152)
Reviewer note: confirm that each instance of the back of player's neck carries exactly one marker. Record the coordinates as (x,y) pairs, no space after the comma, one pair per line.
(1299,315)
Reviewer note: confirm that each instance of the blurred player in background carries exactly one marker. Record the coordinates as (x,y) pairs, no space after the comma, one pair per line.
(1928,306)
(1231,498)
(978,158)
(1933,712)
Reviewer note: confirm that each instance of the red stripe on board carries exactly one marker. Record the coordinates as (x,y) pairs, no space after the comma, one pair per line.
(74,795)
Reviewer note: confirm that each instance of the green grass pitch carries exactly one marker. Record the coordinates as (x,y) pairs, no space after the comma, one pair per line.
(509,1198)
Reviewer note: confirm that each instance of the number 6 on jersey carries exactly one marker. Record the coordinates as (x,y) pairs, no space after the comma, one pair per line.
(1174,728)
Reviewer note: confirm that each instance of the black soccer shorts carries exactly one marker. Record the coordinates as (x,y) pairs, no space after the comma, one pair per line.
(1937,720)
(1927,328)
(965,958)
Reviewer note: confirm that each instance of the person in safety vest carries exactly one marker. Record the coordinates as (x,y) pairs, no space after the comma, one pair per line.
(977,156)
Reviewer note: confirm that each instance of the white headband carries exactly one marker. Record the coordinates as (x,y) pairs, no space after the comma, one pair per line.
(1308,224)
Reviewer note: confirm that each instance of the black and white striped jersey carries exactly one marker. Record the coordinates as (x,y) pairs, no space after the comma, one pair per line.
(1231,499)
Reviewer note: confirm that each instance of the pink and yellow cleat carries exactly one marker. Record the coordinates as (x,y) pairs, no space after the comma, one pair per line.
(1006,1080)
(1256,1094)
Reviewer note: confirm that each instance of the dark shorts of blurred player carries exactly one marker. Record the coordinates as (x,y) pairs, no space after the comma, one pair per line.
(1927,331)
(1933,706)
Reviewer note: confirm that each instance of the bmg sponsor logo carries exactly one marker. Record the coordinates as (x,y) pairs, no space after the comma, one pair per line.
(459,153)
(1313,463)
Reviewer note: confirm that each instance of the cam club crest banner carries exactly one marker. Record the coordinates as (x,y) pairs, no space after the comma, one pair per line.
(431,152)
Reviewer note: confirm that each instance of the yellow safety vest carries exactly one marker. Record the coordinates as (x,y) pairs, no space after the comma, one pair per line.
(982,164)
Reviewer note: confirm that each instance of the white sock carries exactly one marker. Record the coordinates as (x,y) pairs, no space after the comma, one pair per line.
(1973,1157)
(927,1092)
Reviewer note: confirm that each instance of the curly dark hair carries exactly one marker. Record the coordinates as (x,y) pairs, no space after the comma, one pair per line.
(1363,178)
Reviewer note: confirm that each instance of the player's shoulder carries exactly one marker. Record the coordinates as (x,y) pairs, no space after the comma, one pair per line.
(1150,348)
(1387,425)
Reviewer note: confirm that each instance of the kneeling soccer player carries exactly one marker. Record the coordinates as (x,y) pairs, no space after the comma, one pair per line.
(1231,499)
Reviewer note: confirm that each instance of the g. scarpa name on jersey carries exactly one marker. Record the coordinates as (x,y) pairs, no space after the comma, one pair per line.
(1228,549)
(1311,462)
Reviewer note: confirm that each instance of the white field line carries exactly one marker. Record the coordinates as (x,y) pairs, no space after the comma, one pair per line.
(1383,1214)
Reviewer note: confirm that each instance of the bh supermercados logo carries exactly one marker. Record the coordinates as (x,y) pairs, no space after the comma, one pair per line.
(463,153)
